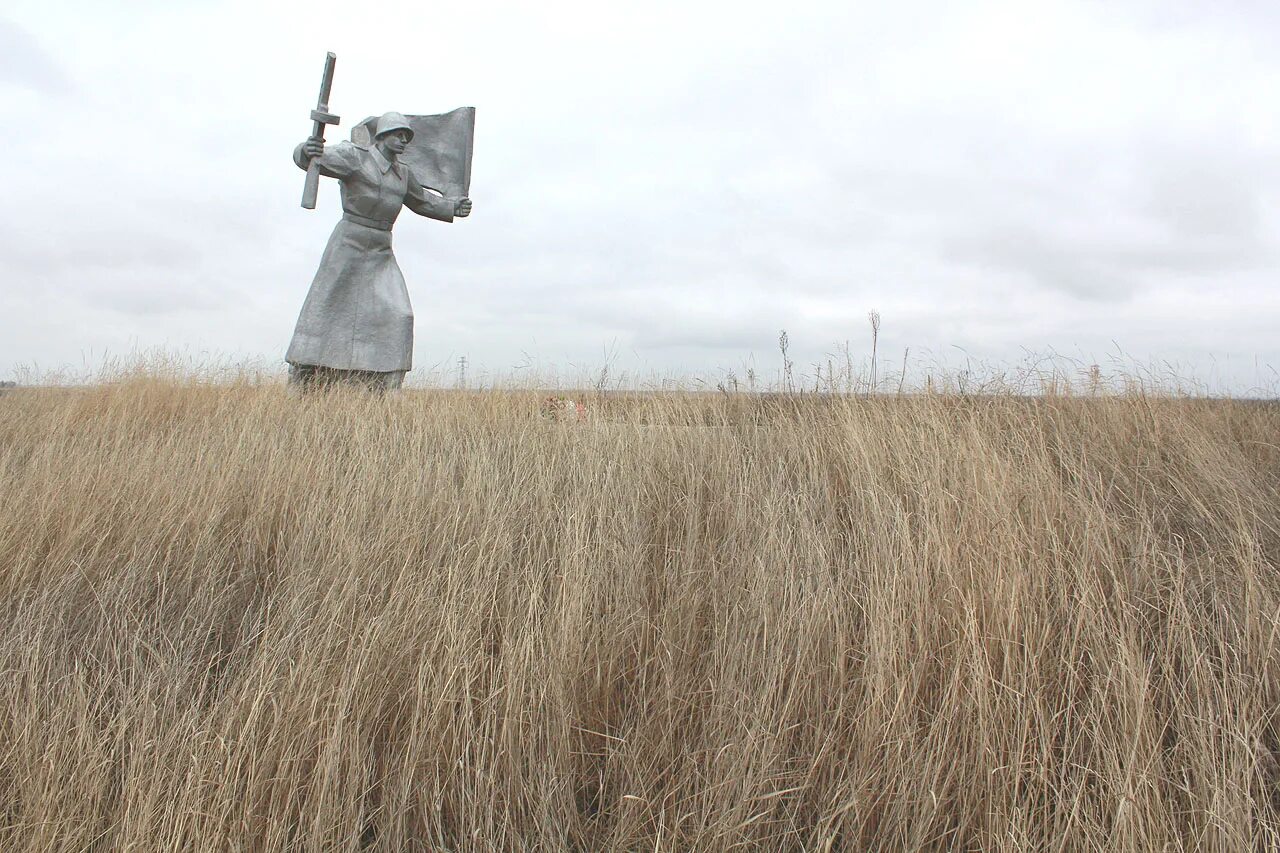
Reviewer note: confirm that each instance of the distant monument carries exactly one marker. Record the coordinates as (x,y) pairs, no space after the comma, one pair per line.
(356,325)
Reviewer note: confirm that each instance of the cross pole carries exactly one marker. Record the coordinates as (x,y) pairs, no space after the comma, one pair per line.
(320,116)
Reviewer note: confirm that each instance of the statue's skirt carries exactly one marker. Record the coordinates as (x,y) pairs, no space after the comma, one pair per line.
(357,314)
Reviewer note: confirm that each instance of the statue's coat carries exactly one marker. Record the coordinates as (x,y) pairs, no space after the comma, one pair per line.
(357,315)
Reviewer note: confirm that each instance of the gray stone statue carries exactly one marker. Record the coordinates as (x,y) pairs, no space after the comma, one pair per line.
(356,324)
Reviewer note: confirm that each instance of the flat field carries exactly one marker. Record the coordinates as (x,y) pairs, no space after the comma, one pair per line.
(234,619)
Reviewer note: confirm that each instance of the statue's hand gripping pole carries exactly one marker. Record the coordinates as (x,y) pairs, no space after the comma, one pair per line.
(320,116)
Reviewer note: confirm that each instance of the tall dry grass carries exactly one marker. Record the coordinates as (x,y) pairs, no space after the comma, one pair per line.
(239,620)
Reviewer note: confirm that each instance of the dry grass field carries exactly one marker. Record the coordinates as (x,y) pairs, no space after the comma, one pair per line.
(234,619)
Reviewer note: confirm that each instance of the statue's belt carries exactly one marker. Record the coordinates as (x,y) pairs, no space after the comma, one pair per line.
(380,224)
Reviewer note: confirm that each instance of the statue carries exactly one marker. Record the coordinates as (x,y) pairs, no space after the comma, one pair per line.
(356,324)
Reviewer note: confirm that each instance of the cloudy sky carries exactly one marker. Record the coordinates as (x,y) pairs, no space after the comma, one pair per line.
(663,186)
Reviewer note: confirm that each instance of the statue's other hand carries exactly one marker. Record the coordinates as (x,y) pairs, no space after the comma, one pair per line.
(313,147)
(462,208)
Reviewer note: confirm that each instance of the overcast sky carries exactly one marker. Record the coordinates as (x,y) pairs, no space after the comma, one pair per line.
(662,185)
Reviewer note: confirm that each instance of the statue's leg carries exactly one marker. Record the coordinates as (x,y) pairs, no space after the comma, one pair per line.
(376,381)
(392,380)
(311,377)
(302,377)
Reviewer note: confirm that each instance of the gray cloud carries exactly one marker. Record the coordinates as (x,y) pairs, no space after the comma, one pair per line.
(1211,193)
(26,64)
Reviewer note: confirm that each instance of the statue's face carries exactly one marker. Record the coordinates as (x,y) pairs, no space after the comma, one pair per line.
(394,142)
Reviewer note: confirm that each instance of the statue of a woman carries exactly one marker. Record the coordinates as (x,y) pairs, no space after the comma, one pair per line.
(356,324)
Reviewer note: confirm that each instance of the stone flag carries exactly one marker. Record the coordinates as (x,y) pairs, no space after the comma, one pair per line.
(439,153)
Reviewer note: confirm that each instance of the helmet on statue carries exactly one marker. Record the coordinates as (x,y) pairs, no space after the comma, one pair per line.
(392,121)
